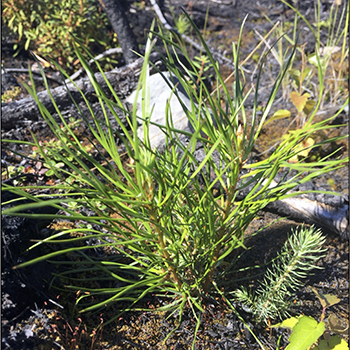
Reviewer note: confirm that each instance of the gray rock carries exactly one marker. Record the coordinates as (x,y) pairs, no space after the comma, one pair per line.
(160,95)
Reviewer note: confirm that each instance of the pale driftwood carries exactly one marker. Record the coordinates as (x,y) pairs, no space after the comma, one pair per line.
(20,113)
(330,212)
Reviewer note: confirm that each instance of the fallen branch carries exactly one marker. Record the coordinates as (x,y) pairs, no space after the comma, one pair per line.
(76,75)
(26,71)
(20,113)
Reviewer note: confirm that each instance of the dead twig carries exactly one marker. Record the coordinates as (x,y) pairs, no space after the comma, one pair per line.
(108,52)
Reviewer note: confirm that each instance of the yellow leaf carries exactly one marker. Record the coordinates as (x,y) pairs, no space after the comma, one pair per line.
(280,114)
(299,101)
(302,148)
(309,106)
(305,147)
(326,300)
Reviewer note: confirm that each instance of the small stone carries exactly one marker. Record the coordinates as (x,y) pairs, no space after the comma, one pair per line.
(160,94)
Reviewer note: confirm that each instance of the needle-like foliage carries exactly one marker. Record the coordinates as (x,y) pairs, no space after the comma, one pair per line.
(297,258)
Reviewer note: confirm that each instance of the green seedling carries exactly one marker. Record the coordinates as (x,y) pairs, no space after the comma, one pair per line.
(10,95)
(307,333)
(170,233)
(297,258)
(14,172)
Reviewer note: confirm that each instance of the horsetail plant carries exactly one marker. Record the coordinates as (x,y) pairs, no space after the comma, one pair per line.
(168,232)
(297,258)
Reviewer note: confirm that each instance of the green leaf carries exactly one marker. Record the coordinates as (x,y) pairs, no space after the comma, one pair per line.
(313,60)
(50,173)
(323,24)
(295,74)
(334,343)
(305,333)
(20,30)
(306,71)
(288,323)
(26,45)
(321,61)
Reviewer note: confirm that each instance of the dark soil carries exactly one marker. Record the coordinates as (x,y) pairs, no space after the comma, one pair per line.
(39,315)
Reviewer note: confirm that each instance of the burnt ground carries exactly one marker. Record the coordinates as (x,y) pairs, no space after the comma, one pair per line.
(39,315)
